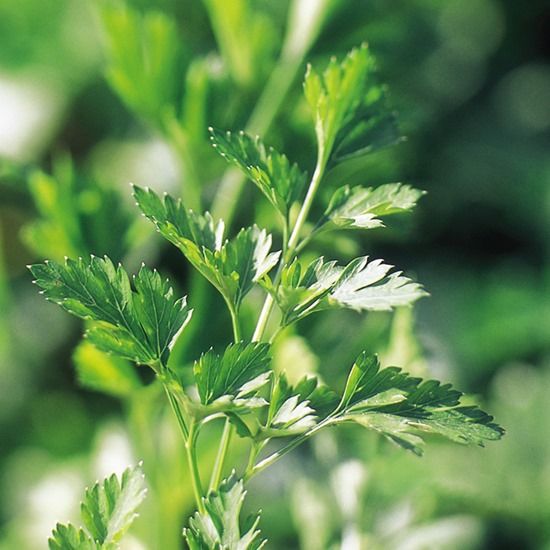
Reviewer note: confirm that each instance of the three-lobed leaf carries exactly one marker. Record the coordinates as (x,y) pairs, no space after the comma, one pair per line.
(279,180)
(349,108)
(232,266)
(362,285)
(219,527)
(140,325)
(362,207)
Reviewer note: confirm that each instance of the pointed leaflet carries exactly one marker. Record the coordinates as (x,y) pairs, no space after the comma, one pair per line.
(361,285)
(401,407)
(361,207)
(141,325)
(110,507)
(365,285)
(220,528)
(294,410)
(349,107)
(237,374)
(232,266)
(281,182)
(107,511)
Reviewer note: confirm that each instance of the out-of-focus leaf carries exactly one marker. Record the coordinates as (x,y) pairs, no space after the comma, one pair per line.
(219,527)
(103,372)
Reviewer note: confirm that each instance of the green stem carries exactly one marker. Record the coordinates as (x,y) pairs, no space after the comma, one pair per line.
(235,323)
(271,459)
(222,453)
(177,413)
(190,450)
(292,243)
(302,32)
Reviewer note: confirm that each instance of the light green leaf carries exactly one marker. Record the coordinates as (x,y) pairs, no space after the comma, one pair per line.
(109,508)
(219,527)
(281,182)
(68,537)
(361,285)
(103,372)
(369,286)
(362,207)
(237,374)
(140,325)
(143,47)
(401,407)
(295,410)
(349,108)
(233,266)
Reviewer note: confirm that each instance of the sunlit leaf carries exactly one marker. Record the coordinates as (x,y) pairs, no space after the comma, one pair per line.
(362,207)
(68,537)
(220,526)
(109,508)
(349,107)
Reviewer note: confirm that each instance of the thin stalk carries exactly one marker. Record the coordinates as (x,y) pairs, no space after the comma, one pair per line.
(271,459)
(190,450)
(177,413)
(217,471)
(291,246)
(228,430)
(305,19)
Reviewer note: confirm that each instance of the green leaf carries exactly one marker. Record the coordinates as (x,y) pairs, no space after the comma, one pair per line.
(105,373)
(295,410)
(140,325)
(233,266)
(361,207)
(68,537)
(361,285)
(281,182)
(109,508)
(145,48)
(402,407)
(219,528)
(237,374)
(349,108)
(369,286)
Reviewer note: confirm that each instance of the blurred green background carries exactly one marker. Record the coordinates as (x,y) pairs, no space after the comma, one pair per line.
(94,95)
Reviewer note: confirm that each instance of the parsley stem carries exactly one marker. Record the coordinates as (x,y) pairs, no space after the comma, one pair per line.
(190,449)
(222,453)
(291,245)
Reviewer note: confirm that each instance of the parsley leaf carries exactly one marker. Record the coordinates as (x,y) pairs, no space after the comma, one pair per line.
(232,266)
(108,510)
(219,527)
(349,108)
(281,182)
(140,325)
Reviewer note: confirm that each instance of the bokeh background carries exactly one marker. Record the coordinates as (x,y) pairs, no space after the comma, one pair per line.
(80,118)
